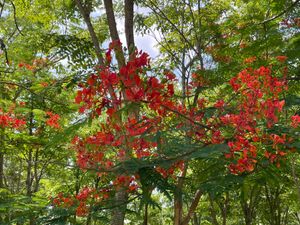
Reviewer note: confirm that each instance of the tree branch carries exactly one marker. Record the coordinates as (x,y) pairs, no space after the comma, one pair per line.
(281,13)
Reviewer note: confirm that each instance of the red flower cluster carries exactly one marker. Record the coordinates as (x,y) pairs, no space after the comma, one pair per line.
(36,64)
(82,200)
(64,201)
(295,121)
(53,119)
(10,120)
(281,58)
(258,103)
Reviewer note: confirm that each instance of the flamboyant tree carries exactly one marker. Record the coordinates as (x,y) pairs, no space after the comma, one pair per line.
(140,112)
(207,125)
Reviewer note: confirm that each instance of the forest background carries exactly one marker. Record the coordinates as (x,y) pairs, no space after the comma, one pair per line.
(205,130)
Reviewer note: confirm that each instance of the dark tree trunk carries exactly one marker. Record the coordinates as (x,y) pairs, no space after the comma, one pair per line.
(192,208)
(145,222)
(213,212)
(85,12)
(118,213)
(129,29)
(1,168)
(178,203)
(109,9)
(2,158)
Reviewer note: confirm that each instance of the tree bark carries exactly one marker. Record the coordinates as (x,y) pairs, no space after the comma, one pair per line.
(35,169)
(2,158)
(28,175)
(1,168)
(113,30)
(2,150)
(213,212)
(118,213)
(129,30)
(145,222)
(224,209)
(86,16)
(178,197)
(192,208)
(30,152)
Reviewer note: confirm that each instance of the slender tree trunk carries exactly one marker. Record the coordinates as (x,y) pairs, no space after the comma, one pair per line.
(1,168)
(247,215)
(145,222)
(129,29)
(30,152)
(28,175)
(19,177)
(178,197)
(192,208)
(35,169)
(225,209)
(113,30)
(2,146)
(85,12)
(177,206)
(213,212)
(2,157)
(29,178)
(77,185)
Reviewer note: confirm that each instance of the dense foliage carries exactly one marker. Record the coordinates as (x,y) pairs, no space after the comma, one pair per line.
(94,130)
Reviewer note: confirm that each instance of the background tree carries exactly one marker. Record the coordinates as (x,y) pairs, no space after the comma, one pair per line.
(50,48)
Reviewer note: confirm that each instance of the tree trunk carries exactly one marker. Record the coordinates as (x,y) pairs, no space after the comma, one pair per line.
(118,213)
(129,31)
(2,158)
(113,30)
(86,16)
(213,212)
(121,196)
(178,197)
(145,222)
(1,168)
(29,160)
(192,208)
(36,175)
(225,209)
(28,176)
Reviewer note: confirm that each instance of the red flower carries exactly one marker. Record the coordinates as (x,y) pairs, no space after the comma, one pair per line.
(219,104)
(250,59)
(170,76)
(295,121)
(82,209)
(53,120)
(281,58)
